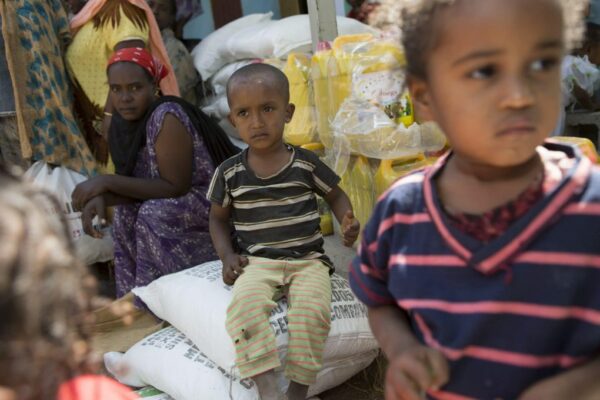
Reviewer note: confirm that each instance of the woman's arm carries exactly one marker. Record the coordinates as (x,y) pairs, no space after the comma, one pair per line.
(174,155)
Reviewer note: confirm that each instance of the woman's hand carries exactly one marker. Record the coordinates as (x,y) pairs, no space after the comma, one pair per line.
(233,267)
(95,207)
(87,190)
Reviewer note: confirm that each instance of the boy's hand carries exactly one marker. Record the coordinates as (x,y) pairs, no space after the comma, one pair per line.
(350,229)
(415,371)
(579,383)
(233,267)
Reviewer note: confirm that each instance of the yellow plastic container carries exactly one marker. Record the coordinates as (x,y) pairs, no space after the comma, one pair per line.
(584,144)
(357,182)
(302,128)
(315,147)
(390,171)
(323,104)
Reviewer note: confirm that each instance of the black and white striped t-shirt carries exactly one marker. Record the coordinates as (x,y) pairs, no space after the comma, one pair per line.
(275,217)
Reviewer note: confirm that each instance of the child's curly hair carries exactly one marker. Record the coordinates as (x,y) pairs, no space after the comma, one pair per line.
(45,295)
(418,31)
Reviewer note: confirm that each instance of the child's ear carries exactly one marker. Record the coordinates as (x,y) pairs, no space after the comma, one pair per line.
(419,93)
(231,120)
(289,112)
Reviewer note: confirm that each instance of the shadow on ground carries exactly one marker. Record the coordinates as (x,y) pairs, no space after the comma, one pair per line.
(366,385)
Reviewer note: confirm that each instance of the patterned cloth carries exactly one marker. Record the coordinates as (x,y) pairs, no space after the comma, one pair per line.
(35,34)
(187,76)
(162,236)
(10,147)
(187,9)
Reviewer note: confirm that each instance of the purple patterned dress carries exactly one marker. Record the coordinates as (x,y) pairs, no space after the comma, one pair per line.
(161,236)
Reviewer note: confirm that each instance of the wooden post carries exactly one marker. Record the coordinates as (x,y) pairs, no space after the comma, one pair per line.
(225,11)
(323,24)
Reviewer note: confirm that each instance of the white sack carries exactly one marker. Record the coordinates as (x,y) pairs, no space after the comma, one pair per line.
(168,361)
(219,81)
(292,34)
(218,107)
(209,56)
(257,36)
(61,181)
(195,301)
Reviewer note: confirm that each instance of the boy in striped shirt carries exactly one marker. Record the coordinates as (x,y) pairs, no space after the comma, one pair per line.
(268,193)
(482,273)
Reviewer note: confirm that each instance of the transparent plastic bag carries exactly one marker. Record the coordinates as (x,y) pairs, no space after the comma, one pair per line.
(370,132)
(581,72)
(362,104)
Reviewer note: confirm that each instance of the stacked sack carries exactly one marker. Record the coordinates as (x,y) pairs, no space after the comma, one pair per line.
(253,38)
(195,355)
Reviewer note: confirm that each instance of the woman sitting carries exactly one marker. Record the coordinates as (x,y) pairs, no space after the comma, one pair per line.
(165,152)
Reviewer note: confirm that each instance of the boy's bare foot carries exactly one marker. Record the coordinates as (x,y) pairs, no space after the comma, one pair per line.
(268,389)
(297,391)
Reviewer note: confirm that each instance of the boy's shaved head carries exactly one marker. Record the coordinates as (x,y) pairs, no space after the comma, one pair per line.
(261,74)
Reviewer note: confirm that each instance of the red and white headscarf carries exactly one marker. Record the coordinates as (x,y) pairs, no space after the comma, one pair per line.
(143,58)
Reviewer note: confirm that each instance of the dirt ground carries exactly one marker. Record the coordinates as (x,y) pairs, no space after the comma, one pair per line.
(366,385)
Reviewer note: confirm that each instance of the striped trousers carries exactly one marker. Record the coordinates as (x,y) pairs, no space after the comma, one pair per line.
(309,317)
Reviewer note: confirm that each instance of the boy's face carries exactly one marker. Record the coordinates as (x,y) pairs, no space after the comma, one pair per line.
(493,78)
(259,111)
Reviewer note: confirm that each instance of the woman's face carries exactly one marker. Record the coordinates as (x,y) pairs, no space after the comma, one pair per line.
(131,90)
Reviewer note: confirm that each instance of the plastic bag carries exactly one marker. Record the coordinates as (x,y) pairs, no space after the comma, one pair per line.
(61,182)
(362,105)
(580,71)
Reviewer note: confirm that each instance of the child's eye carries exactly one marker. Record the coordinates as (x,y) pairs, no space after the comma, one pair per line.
(483,73)
(544,64)
(268,108)
(114,89)
(242,113)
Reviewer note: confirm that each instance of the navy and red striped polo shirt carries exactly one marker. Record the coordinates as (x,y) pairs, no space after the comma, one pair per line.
(499,335)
